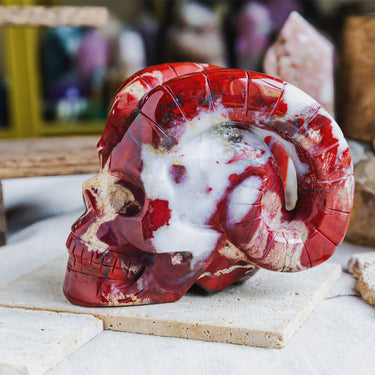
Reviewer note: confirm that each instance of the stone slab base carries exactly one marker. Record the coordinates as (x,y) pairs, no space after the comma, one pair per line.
(266,311)
(31,342)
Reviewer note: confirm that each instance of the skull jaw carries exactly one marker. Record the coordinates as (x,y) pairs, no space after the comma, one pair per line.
(88,290)
(112,278)
(134,277)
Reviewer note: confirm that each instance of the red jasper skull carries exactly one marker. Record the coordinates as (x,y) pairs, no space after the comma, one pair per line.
(191,187)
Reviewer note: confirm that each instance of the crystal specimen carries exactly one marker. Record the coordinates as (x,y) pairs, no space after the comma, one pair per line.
(303,57)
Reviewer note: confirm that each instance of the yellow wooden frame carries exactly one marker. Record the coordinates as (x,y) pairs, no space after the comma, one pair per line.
(22,70)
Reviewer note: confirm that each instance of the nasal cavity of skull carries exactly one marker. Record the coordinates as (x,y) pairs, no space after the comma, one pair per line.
(126,198)
(287,171)
(178,173)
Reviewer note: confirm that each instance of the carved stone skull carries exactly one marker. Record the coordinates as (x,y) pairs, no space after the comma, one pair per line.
(191,187)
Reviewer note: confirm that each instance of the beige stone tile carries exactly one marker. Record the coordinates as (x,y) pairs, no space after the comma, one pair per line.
(31,341)
(265,311)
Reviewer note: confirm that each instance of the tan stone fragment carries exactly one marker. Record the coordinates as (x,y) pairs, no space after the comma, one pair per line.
(357,79)
(362,267)
(362,222)
(266,311)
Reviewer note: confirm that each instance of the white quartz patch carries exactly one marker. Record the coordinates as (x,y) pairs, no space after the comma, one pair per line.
(243,197)
(265,311)
(206,155)
(337,133)
(300,167)
(188,238)
(291,193)
(32,341)
(298,101)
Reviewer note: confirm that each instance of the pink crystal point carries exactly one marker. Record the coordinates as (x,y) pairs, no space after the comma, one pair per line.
(303,56)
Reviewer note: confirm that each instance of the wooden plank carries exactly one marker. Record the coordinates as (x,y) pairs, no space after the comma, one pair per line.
(48,157)
(53,16)
(2,219)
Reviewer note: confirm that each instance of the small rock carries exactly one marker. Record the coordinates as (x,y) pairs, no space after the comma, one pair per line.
(304,57)
(362,267)
(362,222)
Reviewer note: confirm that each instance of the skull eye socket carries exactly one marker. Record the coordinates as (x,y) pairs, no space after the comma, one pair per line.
(126,198)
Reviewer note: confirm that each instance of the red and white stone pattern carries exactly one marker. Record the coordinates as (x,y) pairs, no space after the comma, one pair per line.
(194,160)
(303,57)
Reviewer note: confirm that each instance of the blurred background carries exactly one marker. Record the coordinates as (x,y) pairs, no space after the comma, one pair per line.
(61,80)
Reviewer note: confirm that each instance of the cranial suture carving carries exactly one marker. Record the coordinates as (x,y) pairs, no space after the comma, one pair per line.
(194,161)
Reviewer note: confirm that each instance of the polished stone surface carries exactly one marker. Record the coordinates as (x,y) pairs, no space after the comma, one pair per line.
(191,187)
